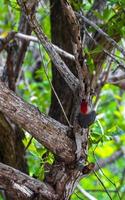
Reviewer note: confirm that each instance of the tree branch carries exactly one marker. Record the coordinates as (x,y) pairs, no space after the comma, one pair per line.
(35,39)
(68,76)
(46,130)
(86,194)
(106,36)
(116,78)
(113,57)
(98,6)
(22,186)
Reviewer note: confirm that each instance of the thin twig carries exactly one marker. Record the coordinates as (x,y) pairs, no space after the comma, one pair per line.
(98,190)
(121,182)
(55,91)
(121,65)
(35,39)
(99,167)
(102,184)
(29,143)
(103,82)
(86,194)
(78,196)
(65,72)
(116,79)
(97,28)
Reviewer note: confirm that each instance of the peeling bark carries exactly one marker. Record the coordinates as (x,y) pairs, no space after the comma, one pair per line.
(22,187)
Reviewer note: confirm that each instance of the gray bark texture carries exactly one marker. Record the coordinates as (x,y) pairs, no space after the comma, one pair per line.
(69,77)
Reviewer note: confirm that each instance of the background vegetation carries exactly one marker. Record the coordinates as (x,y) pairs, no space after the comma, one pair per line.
(108,132)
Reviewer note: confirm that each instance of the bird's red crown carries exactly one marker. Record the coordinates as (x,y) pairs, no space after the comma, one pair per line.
(84,107)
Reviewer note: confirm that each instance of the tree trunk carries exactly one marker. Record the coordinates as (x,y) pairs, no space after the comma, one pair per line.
(60,35)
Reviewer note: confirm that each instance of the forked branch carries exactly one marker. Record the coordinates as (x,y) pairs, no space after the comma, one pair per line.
(68,76)
(46,130)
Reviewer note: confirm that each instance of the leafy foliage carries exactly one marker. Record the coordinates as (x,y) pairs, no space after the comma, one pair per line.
(111,109)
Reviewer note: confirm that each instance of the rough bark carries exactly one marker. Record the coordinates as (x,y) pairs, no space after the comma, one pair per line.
(46,130)
(60,36)
(22,187)
(63,30)
(11,146)
(66,171)
(67,75)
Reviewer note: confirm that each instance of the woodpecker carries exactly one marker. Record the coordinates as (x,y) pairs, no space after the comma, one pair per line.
(86,116)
